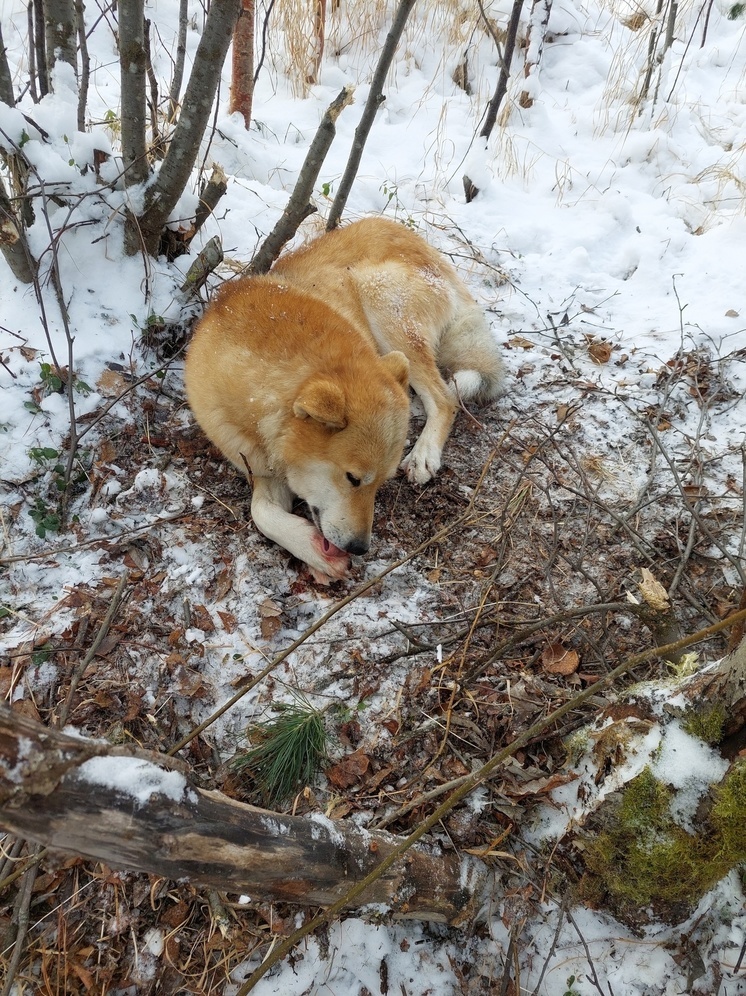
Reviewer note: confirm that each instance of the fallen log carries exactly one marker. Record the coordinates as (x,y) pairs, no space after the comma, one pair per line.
(142,811)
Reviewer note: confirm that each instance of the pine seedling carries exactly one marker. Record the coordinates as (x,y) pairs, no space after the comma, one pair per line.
(289,751)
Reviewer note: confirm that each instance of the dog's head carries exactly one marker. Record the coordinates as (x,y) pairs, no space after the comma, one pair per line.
(345,439)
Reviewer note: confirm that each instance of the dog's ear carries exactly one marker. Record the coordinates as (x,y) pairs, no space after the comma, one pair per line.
(322,400)
(398,366)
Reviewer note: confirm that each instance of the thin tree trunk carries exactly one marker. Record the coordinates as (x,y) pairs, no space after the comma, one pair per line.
(175,91)
(135,811)
(6,81)
(502,82)
(374,101)
(299,206)
(132,69)
(537,33)
(143,232)
(242,67)
(40,48)
(85,64)
(61,33)
(13,243)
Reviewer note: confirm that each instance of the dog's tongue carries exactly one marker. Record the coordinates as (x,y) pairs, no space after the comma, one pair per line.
(330,549)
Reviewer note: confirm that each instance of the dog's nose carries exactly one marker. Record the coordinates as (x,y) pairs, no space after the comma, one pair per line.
(357,546)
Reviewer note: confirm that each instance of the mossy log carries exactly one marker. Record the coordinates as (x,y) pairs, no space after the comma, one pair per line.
(652,847)
(141,811)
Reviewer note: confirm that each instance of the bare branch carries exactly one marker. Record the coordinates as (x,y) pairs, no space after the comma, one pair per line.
(173,95)
(374,101)
(299,206)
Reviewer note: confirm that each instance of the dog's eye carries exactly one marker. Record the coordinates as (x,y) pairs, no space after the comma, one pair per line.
(354,481)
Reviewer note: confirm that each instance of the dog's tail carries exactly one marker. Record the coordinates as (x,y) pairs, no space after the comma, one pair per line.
(469,352)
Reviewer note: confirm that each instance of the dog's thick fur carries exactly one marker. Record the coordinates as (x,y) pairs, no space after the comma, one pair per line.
(300,377)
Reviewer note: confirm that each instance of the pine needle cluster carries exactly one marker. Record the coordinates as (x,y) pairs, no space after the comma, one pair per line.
(289,751)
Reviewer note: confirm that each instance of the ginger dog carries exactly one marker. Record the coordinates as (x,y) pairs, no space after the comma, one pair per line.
(301,378)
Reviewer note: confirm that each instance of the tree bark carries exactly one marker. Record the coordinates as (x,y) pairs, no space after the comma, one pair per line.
(242,67)
(143,232)
(319,39)
(174,92)
(6,81)
(374,101)
(132,69)
(57,790)
(13,243)
(85,64)
(39,47)
(60,22)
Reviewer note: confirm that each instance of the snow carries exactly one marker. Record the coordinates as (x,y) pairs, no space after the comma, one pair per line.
(630,221)
(135,778)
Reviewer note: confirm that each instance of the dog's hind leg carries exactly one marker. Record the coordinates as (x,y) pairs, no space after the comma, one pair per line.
(271,502)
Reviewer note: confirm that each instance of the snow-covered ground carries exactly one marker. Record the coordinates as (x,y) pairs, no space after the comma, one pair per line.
(608,237)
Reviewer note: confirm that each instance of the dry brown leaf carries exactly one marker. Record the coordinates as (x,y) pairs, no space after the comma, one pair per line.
(202,619)
(600,352)
(557,659)
(107,451)
(269,618)
(349,770)
(111,384)
(229,621)
(520,342)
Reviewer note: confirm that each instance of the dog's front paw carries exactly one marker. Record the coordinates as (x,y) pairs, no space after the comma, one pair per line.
(329,563)
(422,463)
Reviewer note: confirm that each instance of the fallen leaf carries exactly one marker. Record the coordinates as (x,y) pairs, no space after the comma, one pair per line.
(202,619)
(520,342)
(269,618)
(111,384)
(557,659)
(349,770)
(107,451)
(600,352)
(229,621)
(731,313)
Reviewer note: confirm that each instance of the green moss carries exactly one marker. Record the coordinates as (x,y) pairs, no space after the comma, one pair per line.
(706,724)
(645,859)
(728,816)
